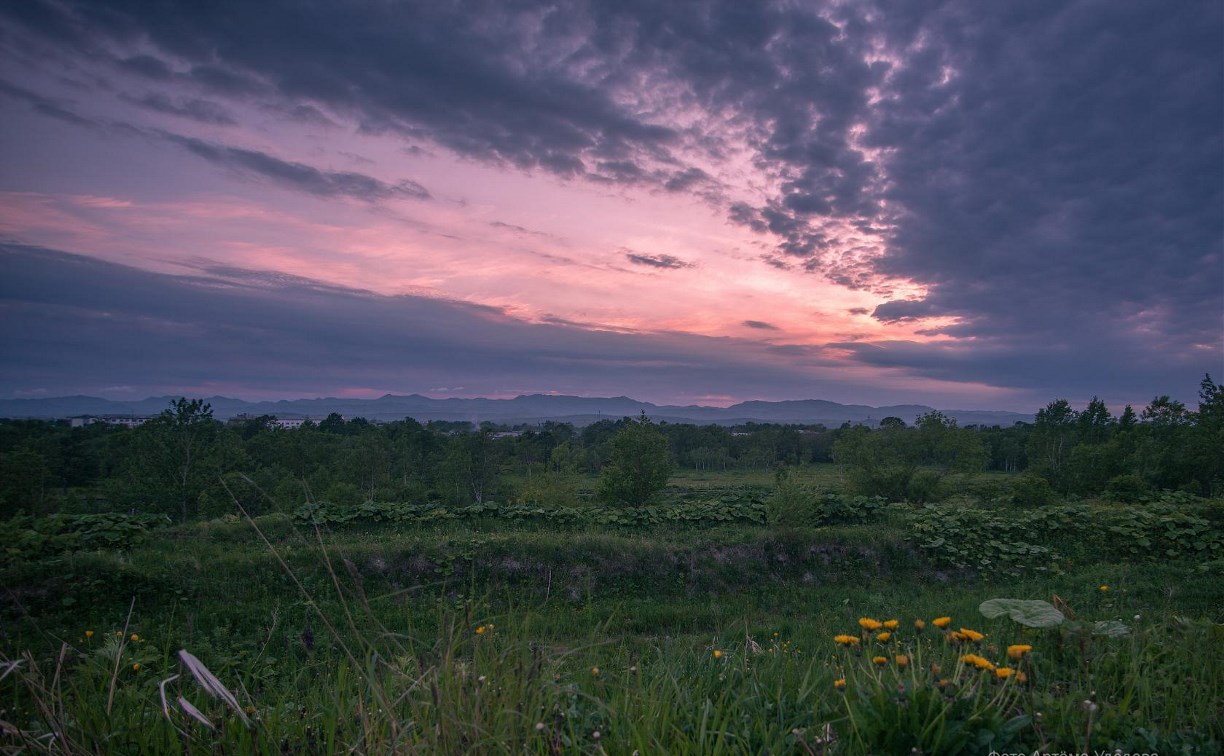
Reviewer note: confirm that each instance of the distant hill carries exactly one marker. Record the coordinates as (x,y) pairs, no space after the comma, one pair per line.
(529,409)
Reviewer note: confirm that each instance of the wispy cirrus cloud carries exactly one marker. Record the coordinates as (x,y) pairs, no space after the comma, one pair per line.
(665,262)
(204,111)
(760,325)
(300,176)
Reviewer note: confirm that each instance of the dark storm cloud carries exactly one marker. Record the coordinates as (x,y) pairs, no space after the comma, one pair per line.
(76,324)
(668,262)
(1047,172)
(566,89)
(460,76)
(299,176)
(903,310)
(1057,170)
(686,179)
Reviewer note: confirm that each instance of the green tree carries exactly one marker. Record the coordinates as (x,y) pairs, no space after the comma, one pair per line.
(23,482)
(1163,453)
(639,466)
(1050,443)
(877,463)
(1097,456)
(470,467)
(179,454)
(1208,442)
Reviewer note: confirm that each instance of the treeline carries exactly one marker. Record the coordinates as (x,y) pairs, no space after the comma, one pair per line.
(1087,452)
(186,464)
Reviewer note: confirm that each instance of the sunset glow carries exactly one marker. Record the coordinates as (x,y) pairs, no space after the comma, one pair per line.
(690,203)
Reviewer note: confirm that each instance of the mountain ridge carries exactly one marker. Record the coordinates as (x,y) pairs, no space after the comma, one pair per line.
(522,409)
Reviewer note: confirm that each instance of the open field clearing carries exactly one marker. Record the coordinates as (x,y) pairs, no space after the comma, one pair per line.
(452,631)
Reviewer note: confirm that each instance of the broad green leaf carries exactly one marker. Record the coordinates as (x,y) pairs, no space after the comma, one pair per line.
(1030,613)
(1110,629)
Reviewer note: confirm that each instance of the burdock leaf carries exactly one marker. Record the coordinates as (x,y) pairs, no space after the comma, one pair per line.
(1110,629)
(1030,613)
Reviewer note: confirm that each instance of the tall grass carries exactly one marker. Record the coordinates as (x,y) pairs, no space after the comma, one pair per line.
(500,642)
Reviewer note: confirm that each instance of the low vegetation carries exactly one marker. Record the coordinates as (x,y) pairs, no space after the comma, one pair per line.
(781,608)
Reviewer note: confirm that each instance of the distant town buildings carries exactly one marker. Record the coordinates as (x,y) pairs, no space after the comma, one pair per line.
(289,423)
(127,421)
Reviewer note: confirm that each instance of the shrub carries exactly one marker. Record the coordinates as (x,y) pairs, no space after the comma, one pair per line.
(792,503)
(640,465)
(923,486)
(1032,491)
(1127,488)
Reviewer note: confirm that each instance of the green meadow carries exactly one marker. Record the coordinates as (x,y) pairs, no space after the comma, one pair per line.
(805,591)
(708,631)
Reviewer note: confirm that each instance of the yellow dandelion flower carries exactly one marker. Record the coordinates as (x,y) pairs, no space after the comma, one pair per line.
(972,635)
(89,633)
(879,660)
(957,636)
(1104,588)
(1004,672)
(1021,677)
(846,640)
(883,637)
(944,683)
(977,661)
(717,654)
(941,622)
(136,667)
(1018,651)
(135,637)
(840,683)
(902,661)
(594,671)
(892,624)
(869,624)
(480,630)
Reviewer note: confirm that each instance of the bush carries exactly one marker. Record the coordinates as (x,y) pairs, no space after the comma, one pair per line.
(1127,489)
(640,465)
(792,503)
(924,486)
(1032,491)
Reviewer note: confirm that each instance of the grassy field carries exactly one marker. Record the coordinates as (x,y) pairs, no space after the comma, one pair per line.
(501,631)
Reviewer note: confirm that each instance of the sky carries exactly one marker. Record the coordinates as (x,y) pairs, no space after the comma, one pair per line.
(964,204)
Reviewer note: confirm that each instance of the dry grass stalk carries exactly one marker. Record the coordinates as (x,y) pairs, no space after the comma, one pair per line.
(209,682)
(110,696)
(195,713)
